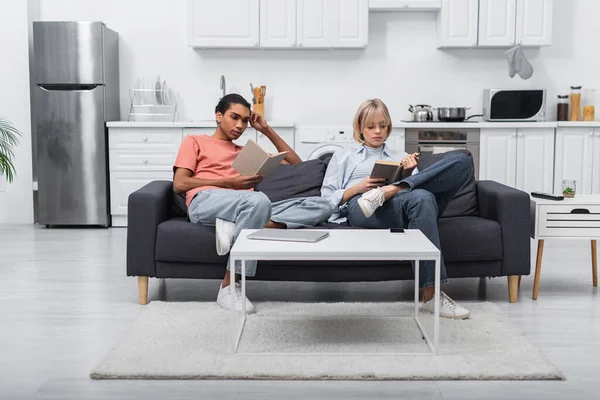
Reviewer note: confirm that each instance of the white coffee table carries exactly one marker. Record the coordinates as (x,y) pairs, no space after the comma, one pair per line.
(346,244)
(576,218)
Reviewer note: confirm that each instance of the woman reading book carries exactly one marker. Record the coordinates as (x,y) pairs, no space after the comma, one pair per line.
(414,201)
(217,195)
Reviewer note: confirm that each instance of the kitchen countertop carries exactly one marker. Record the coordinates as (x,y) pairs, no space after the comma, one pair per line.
(184,124)
(400,125)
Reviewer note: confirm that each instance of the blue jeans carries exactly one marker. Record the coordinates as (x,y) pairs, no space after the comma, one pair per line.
(419,208)
(252,210)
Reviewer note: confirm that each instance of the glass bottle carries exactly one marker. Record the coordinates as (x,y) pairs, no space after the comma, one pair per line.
(589,104)
(575,103)
(562,108)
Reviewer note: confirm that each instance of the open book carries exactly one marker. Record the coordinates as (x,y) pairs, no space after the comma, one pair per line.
(254,160)
(390,170)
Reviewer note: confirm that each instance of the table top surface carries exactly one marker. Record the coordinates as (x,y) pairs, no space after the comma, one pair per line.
(578,199)
(341,244)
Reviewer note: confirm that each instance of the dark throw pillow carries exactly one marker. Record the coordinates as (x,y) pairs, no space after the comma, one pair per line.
(465,200)
(290,181)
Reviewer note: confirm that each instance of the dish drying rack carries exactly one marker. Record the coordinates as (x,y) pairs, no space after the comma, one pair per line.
(153,105)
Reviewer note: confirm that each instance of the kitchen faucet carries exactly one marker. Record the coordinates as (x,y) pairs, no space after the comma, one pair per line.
(223,86)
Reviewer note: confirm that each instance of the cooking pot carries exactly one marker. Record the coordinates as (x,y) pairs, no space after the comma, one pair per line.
(421,113)
(454,114)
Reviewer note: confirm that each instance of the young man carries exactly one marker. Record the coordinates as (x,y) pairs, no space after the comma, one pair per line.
(217,195)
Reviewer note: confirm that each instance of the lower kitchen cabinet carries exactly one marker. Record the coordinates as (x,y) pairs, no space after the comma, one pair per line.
(521,158)
(578,158)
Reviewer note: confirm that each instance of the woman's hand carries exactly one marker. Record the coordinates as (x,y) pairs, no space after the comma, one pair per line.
(409,163)
(368,183)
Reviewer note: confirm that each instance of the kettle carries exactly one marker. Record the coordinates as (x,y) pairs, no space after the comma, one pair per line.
(421,113)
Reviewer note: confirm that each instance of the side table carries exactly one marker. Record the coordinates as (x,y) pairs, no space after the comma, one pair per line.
(576,218)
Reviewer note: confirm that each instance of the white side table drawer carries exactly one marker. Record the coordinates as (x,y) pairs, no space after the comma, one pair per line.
(131,160)
(145,138)
(569,220)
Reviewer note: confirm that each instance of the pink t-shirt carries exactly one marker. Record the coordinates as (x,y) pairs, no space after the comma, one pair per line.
(207,158)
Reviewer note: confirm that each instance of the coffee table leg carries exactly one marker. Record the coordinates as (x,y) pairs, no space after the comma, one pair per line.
(232,282)
(244,287)
(538,269)
(436,316)
(417,266)
(594,264)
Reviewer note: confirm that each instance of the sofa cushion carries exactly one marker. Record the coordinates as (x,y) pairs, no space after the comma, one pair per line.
(179,240)
(289,181)
(470,238)
(465,200)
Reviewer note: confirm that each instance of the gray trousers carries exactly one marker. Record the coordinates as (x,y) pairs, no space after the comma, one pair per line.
(252,210)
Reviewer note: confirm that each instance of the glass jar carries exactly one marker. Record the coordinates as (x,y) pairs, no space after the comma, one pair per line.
(562,108)
(589,104)
(575,103)
(569,188)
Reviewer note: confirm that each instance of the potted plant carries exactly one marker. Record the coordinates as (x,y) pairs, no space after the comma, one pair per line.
(9,139)
(568,192)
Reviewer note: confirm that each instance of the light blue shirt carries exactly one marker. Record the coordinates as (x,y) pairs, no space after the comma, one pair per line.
(339,170)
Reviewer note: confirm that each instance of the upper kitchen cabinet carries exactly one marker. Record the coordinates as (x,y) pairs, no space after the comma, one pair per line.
(405,5)
(534,22)
(457,23)
(495,23)
(223,23)
(314,24)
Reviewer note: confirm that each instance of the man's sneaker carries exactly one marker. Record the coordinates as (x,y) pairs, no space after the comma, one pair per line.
(224,299)
(224,232)
(448,308)
(371,201)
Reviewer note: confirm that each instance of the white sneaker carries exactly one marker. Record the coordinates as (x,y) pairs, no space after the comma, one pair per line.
(224,299)
(448,308)
(371,201)
(224,232)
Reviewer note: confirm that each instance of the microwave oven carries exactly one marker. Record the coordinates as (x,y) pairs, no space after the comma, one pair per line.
(514,105)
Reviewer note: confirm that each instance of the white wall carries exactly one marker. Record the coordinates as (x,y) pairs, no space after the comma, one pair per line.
(16,201)
(401,64)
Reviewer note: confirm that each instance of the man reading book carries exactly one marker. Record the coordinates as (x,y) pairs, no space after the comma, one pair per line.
(414,199)
(216,194)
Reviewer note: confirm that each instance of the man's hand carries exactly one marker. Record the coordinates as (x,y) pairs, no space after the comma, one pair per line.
(369,183)
(258,122)
(243,181)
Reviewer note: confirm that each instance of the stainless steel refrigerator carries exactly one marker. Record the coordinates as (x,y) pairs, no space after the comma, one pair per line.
(76,90)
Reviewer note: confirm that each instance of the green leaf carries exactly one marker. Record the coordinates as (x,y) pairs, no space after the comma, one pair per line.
(9,140)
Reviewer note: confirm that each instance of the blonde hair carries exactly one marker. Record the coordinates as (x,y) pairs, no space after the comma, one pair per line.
(366,113)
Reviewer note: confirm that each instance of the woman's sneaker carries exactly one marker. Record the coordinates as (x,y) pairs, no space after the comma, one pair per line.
(448,308)
(224,299)
(371,201)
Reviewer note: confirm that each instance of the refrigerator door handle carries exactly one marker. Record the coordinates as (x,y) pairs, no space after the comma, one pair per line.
(69,87)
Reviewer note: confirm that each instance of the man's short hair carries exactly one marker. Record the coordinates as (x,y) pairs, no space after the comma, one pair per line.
(229,99)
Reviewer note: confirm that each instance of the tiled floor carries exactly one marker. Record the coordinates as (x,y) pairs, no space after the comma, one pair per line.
(65,299)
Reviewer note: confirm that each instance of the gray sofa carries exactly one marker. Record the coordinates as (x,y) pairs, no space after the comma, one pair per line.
(484,232)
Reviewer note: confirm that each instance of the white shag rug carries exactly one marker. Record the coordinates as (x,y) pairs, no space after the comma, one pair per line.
(195,340)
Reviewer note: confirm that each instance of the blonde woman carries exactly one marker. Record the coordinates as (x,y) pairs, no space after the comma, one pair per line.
(414,202)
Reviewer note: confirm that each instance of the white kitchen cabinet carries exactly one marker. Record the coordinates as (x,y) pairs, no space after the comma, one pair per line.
(314,23)
(534,22)
(457,23)
(535,160)
(576,151)
(520,158)
(405,5)
(286,134)
(223,23)
(350,23)
(497,22)
(248,134)
(498,155)
(277,23)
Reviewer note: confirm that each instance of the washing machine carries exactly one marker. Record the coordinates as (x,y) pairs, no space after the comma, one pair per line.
(321,142)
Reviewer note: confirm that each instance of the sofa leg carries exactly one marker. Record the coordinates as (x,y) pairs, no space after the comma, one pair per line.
(513,288)
(143,289)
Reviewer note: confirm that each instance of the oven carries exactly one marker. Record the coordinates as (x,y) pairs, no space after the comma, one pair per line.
(442,140)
